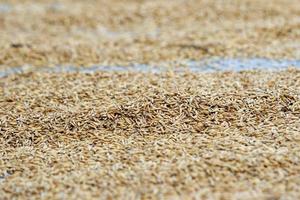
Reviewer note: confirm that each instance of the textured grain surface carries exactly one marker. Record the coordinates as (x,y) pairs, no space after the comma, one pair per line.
(134,135)
(43,33)
(119,135)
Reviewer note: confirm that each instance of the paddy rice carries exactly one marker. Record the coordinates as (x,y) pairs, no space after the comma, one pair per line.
(117,32)
(135,135)
(71,130)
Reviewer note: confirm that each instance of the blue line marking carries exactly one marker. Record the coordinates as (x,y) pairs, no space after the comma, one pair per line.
(241,64)
(206,65)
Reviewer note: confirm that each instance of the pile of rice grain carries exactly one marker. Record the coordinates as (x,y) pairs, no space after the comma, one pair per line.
(150,136)
(119,32)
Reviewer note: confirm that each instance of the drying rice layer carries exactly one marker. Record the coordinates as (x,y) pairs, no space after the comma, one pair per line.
(118,32)
(150,136)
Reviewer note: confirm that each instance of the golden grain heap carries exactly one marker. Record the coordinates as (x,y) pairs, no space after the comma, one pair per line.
(109,32)
(133,135)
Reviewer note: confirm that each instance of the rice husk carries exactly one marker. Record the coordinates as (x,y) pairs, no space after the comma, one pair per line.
(117,32)
(150,136)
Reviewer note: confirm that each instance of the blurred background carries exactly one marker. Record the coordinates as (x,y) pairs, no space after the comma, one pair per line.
(119,32)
